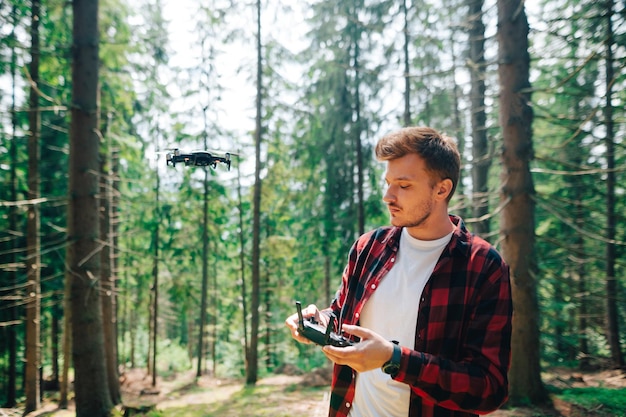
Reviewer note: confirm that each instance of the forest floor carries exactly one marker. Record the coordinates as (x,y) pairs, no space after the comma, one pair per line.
(289,394)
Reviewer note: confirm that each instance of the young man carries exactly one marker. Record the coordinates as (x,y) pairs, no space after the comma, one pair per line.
(429,303)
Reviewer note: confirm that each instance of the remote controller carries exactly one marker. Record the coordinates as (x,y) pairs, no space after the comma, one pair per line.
(316,333)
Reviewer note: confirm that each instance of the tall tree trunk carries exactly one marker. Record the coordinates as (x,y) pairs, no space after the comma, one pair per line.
(457,124)
(115,195)
(154,311)
(205,266)
(33,253)
(11,393)
(480,153)
(267,305)
(55,332)
(83,254)
(67,342)
(242,266)
(613,335)
(216,309)
(358,127)
(108,297)
(252,374)
(407,67)
(517,225)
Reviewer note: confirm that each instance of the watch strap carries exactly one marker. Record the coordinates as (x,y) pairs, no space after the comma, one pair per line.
(392,366)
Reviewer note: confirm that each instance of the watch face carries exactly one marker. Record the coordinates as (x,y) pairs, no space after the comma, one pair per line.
(391,368)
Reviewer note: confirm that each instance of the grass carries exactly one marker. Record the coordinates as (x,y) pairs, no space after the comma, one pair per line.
(257,401)
(602,401)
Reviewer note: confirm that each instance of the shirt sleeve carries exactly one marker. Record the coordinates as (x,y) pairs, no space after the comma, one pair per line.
(477,380)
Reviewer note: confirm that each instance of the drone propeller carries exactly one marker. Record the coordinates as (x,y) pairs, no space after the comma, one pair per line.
(169,151)
(216,152)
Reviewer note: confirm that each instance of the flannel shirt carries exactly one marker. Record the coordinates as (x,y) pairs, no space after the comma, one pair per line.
(458,366)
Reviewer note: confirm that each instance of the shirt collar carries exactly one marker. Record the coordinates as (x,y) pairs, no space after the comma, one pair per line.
(461,237)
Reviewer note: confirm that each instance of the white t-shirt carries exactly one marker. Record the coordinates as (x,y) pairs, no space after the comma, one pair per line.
(391,312)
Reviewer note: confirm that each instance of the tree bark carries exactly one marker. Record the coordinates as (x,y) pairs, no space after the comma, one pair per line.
(67,343)
(154,311)
(108,297)
(252,374)
(11,393)
(33,253)
(358,127)
(611,286)
(242,266)
(517,225)
(480,152)
(205,269)
(406,115)
(83,254)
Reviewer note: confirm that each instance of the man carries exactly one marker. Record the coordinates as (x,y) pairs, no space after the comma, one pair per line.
(429,303)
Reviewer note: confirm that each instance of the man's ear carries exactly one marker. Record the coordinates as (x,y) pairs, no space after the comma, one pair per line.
(444,187)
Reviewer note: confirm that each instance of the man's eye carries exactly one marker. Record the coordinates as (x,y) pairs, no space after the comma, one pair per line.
(404,186)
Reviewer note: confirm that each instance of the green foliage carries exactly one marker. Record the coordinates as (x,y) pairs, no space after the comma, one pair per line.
(171,357)
(599,400)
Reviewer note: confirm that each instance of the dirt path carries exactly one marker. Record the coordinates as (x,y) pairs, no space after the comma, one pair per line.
(285,395)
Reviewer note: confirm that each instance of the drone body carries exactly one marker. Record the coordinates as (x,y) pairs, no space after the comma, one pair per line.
(197,158)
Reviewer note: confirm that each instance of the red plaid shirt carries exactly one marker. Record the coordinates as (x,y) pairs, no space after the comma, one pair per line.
(458,366)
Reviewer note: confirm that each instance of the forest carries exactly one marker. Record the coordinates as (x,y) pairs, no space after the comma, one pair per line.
(113,259)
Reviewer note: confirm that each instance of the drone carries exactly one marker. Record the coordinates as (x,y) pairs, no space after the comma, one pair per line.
(197,158)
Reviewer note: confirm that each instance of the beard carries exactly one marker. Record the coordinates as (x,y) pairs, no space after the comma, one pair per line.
(415,218)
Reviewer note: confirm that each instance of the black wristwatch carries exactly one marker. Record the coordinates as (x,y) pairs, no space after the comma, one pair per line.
(392,366)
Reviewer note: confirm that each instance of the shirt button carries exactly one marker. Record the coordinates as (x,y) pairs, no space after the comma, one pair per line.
(373,286)
(393,259)
(356,315)
(348,405)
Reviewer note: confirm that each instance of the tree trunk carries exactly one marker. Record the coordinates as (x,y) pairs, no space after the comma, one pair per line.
(457,124)
(33,253)
(154,311)
(83,253)
(407,67)
(55,331)
(11,393)
(115,194)
(252,374)
(67,343)
(108,297)
(216,310)
(242,266)
(612,291)
(267,305)
(481,160)
(205,272)
(517,225)
(360,204)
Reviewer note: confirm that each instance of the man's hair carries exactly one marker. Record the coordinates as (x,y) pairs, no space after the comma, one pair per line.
(439,152)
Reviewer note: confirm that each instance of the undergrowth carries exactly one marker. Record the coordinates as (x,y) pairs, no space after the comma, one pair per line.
(602,401)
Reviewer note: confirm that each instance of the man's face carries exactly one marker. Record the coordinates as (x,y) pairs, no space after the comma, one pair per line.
(410,194)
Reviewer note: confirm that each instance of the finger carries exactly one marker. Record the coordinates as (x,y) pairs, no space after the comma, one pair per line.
(310,310)
(358,331)
(338,352)
(332,354)
(301,339)
(292,322)
(296,335)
